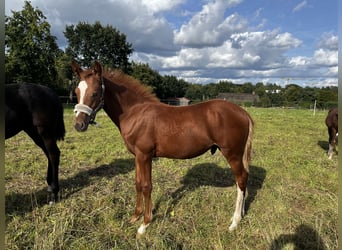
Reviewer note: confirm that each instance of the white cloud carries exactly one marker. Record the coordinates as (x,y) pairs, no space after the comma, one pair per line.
(262,51)
(135,18)
(298,61)
(328,41)
(186,58)
(216,42)
(158,5)
(300,6)
(209,27)
(269,46)
(285,41)
(324,57)
(14,5)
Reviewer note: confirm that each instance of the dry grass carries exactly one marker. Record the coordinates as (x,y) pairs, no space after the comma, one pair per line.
(292,199)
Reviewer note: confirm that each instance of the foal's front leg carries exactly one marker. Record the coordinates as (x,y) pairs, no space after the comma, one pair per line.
(143,184)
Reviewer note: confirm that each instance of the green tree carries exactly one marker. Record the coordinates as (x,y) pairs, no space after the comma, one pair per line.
(260,89)
(30,49)
(225,87)
(327,97)
(90,42)
(194,92)
(210,91)
(65,85)
(293,94)
(171,87)
(146,75)
(247,87)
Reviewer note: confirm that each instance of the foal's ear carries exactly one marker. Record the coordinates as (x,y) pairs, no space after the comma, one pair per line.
(75,68)
(97,68)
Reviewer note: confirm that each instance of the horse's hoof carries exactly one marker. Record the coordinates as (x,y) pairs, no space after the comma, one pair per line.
(134,219)
(142,230)
(51,198)
(233,226)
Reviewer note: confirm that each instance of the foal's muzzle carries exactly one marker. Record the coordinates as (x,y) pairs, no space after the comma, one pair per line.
(81,126)
(88,114)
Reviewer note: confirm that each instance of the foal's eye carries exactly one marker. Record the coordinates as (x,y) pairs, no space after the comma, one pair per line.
(94,94)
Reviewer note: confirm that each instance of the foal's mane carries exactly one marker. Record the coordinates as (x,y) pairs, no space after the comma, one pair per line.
(122,79)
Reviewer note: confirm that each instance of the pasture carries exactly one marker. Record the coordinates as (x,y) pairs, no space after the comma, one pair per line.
(291,201)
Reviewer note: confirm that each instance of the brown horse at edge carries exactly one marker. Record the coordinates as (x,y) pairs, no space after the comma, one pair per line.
(150,129)
(332,124)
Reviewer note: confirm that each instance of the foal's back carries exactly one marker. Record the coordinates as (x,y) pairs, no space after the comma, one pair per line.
(32,105)
(332,118)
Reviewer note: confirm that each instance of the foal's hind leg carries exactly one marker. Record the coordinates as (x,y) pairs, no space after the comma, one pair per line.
(52,174)
(50,148)
(332,141)
(241,176)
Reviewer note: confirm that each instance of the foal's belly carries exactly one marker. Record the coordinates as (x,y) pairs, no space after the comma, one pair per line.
(182,148)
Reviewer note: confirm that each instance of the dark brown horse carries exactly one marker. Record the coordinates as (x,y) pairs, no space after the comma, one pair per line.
(332,123)
(153,129)
(37,110)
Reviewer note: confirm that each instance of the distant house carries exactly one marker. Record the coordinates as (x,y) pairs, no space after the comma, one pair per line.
(239,98)
(181,101)
(273,91)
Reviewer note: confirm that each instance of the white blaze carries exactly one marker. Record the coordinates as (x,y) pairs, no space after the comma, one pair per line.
(82,86)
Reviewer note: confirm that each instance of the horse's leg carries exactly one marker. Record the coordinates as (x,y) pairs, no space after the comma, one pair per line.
(332,141)
(53,167)
(241,176)
(50,149)
(138,206)
(143,184)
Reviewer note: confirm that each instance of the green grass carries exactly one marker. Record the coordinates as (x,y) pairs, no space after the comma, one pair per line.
(292,192)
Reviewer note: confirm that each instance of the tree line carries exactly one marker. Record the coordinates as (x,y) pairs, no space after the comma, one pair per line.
(32,55)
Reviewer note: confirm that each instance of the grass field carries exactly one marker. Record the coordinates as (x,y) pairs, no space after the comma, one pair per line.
(291,203)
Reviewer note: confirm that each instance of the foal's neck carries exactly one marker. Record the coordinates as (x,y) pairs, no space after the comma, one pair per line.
(120,98)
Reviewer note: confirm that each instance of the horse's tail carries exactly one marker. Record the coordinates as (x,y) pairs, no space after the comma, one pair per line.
(60,127)
(248,146)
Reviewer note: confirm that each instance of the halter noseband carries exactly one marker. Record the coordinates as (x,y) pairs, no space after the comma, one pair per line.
(88,110)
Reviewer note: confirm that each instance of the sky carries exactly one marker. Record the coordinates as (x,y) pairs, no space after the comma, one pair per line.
(204,41)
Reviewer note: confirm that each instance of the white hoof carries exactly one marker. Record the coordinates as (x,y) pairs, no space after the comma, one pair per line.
(233,226)
(142,229)
(235,221)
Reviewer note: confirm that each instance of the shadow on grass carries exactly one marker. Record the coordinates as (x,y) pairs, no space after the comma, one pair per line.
(83,178)
(19,204)
(209,174)
(324,145)
(305,237)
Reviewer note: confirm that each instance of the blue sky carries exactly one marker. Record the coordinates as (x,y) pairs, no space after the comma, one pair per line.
(202,41)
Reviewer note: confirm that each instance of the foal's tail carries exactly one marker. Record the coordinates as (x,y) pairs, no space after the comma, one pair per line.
(248,147)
